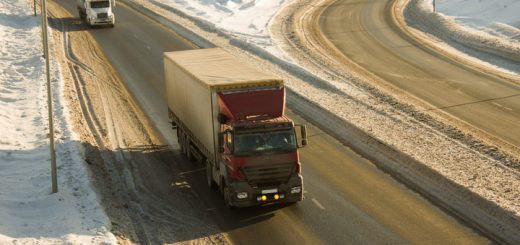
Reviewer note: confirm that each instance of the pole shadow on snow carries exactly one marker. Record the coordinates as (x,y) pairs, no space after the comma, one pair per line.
(28,209)
(19,21)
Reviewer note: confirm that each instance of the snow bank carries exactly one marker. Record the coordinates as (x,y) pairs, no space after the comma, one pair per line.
(481,14)
(28,212)
(488,26)
(247,19)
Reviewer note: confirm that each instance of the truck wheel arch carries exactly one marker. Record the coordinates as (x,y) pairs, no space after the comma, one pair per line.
(209,175)
(227,195)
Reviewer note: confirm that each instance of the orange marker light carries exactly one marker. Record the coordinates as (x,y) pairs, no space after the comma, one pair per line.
(276,197)
(264,197)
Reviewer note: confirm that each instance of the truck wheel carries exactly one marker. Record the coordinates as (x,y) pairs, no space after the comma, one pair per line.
(209,176)
(189,155)
(181,146)
(181,140)
(227,196)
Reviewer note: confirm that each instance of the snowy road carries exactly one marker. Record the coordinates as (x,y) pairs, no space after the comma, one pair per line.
(371,208)
(364,32)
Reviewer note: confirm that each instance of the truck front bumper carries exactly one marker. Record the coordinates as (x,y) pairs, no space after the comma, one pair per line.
(243,195)
(102,21)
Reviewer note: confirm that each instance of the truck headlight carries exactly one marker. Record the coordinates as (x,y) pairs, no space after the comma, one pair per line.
(296,189)
(242,195)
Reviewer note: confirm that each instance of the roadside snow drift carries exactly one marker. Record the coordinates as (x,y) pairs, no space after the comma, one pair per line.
(247,19)
(484,15)
(491,26)
(28,212)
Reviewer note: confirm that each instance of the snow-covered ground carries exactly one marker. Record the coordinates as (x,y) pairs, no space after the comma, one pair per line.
(244,19)
(481,31)
(29,213)
(501,18)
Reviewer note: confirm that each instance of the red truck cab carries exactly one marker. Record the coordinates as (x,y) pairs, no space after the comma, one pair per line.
(259,148)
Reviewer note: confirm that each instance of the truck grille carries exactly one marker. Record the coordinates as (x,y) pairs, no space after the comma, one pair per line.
(270,174)
(102,15)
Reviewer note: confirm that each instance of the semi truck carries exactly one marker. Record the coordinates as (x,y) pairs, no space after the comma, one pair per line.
(97,12)
(230,116)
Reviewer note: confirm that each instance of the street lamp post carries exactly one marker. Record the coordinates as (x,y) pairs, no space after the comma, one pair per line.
(49,99)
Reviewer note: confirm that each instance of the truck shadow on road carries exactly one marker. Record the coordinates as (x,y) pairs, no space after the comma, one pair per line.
(165,197)
(68,24)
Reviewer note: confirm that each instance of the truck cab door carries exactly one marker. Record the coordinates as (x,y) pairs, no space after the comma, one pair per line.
(301,135)
(228,147)
(228,143)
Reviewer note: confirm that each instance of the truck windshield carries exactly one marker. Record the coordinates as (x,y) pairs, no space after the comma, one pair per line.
(264,142)
(100,4)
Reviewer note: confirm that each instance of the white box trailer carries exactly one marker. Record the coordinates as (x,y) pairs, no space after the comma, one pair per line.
(217,103)
(194,77)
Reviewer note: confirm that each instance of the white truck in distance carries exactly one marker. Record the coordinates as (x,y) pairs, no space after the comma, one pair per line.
(97,12)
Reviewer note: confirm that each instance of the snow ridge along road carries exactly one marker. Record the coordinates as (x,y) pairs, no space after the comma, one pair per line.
(419,14)
(122,148)
(449,163)
(29,214)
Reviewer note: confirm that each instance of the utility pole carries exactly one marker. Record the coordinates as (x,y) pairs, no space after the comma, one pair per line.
(49,99)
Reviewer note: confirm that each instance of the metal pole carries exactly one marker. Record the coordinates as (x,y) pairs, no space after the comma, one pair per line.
(34,1)
(49,99)
(434,7)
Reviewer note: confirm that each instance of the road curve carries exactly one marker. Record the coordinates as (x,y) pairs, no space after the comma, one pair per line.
(364,32)
(348,200)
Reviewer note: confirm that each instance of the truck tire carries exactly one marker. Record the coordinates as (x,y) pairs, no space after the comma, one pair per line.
(189,149)
(227,195)
(180,140)
(209,176)
(81,14)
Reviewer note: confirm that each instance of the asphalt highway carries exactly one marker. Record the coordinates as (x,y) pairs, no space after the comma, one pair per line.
(348,199)
(363,32)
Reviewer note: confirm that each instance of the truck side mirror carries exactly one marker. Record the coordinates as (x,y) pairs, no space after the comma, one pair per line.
(303,134)
(221,142)
(221,118)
